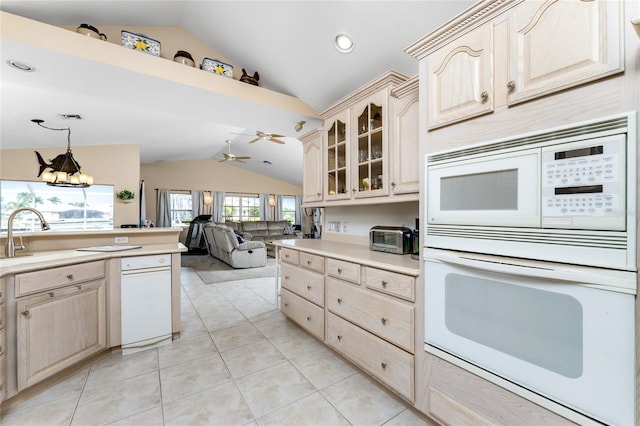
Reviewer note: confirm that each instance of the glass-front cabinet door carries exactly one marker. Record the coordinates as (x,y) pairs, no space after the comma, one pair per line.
(337,175)
(370,168)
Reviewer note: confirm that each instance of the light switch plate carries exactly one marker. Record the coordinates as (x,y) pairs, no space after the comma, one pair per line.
(122,240)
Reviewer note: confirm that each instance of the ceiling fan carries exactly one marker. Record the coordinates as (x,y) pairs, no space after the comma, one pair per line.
(272,137)
(228,156)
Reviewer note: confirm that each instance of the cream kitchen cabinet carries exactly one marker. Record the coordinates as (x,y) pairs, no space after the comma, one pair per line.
(302,295)
(508,52)
(312,164)
(357,143)
(459,79)
(405,139)
(336,183)
(372,328)
(61,319)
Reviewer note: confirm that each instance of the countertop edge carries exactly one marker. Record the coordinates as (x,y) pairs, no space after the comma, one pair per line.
(355,253)
(56,258)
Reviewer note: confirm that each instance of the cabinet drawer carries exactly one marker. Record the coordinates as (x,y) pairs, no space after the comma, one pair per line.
(392,283)
(390,319)
(289,256)
(306,314)
(307,284)
(386,362)
(312,261)
(344,270)
(34,282)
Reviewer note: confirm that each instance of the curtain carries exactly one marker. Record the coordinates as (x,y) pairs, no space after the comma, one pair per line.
(197,203)
(143,204)
(163,208)
(278,207)
(217,208)
(299,211)
(265,208)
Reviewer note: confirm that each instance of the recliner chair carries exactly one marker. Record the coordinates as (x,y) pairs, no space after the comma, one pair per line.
(223,244)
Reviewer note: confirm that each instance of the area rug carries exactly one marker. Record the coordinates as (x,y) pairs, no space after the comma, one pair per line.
(211,270)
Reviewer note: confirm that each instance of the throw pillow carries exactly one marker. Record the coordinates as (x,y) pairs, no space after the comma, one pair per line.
(238,236)
(288,230)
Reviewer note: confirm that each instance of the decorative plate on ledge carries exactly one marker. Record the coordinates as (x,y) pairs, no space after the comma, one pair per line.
(141,43)
(217,67)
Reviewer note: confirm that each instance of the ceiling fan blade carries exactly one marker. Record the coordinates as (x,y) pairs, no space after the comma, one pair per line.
(222,161)
(272,139)
(274,135)
(240,161)
(243,158)
(254,140)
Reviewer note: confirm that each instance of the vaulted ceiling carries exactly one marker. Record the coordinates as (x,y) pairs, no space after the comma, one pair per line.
(289,43)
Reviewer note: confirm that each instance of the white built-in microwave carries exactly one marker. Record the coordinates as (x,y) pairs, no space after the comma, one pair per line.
(570,190)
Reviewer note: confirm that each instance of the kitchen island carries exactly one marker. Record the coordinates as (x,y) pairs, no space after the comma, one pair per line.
(60,304)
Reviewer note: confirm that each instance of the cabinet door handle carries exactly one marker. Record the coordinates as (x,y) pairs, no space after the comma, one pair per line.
(484,96)
(383,365)
(25,313)
(384,321)
(511,85)
(384,284)
(70,276)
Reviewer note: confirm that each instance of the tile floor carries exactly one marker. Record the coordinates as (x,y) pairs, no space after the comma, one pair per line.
(238,362)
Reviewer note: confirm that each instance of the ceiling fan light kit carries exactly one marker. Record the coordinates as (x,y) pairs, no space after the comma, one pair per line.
(271,137)
(228,156)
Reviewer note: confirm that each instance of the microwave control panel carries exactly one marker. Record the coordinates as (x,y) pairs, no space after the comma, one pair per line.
(583,184)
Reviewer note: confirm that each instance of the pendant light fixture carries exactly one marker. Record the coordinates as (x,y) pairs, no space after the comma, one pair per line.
(64,170)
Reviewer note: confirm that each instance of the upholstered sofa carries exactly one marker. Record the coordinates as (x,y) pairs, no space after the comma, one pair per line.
(263,230)
(223,244)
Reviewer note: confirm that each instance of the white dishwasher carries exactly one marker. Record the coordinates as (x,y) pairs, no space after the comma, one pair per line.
(145,297)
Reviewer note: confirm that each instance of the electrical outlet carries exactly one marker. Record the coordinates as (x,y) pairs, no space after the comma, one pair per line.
(122,240)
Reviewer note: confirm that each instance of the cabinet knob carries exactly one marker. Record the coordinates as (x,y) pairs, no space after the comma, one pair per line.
(339,270)
(308,318)
(339,300)
(339,337)
(286,277)
(384,321)
(286,255)
(383,365)
(484,96)
(384,284)
(308,262)
(393,184)
(511,85)
(318,194)
(70,276)
(286,305)
(25,313)
(308,287)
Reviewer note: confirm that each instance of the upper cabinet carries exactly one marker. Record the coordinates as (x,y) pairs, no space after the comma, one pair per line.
(460,79)
(360,143)
(312,166)
(337,157)
(404,165)
(554,45)
(471,65)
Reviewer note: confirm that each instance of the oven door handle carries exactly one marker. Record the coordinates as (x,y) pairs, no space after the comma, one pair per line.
(607,279)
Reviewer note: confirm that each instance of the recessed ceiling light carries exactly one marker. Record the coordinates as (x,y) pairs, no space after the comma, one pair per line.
(21,66)
(343,43)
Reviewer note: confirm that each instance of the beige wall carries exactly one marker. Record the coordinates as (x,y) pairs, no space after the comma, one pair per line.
(207,175)
(117,165)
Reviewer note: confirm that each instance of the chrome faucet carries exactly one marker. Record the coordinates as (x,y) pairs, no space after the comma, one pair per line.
(11,247)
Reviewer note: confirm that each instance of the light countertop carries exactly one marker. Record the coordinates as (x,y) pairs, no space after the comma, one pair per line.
(403,264)
(55,258)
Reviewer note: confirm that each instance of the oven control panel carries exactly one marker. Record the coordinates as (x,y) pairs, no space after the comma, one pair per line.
(583,184)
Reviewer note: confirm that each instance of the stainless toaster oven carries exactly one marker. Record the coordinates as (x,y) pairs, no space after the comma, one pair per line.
(391,239)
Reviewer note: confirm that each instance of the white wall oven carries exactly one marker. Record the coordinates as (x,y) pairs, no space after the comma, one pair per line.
(536,195)
(530,266)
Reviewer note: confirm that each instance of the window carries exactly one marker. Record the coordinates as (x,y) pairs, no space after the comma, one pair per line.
(65,209)
(289,208)
(181,207)
(238,208)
